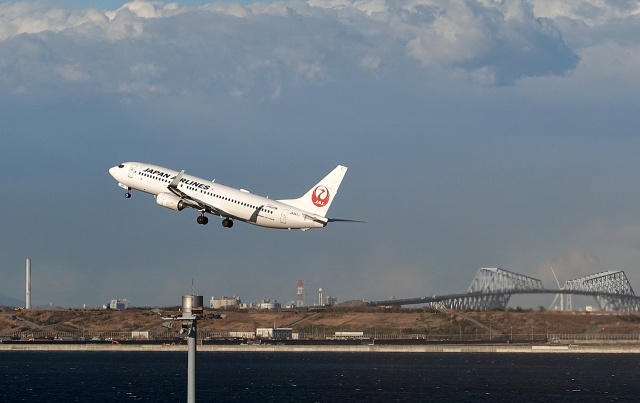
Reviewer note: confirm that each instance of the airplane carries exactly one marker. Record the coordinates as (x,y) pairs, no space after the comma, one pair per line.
(177,191)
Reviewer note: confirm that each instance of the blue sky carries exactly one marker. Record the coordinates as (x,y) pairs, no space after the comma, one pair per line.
(477,134)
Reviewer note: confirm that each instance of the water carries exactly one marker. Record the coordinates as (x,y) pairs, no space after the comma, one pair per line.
(319,377)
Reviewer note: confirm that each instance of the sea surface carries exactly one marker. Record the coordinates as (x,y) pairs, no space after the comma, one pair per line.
(319,377)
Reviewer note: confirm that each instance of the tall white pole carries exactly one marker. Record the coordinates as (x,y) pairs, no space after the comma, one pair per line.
(192,309)
(27,303)
(191,362)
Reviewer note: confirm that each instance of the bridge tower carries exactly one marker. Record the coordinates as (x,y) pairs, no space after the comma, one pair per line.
(491,289)
(608,283)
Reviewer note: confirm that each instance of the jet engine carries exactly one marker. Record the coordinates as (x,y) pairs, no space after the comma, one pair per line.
(171,201)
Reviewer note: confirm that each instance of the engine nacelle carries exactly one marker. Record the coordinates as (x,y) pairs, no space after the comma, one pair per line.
(171,201)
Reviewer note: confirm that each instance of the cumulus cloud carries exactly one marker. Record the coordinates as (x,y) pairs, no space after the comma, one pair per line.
(146,9)
(590,12)
(266,48)
(73,73)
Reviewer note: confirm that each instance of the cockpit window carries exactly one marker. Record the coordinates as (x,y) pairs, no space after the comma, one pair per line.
(121,166)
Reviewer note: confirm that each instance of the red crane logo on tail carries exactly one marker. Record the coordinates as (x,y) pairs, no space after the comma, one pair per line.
(320,196)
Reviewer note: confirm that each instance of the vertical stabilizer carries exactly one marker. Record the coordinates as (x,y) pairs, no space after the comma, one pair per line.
(318,199)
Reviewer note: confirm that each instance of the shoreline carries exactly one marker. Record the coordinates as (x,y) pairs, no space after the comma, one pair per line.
(465,348)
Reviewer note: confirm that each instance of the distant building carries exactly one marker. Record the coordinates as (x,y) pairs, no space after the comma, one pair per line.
(330,301)
(119,304)
(224,302)
(282,333)
(140,335)
(264,332)
(349,335)
(268,304)
(278,333)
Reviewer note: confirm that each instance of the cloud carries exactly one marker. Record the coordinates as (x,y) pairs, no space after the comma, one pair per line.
(146,9)
(37,17)
(73,73)
(268,49)
(591,13)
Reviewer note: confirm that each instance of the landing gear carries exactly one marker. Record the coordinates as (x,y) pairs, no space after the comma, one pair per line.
(227,223)
(127,195)
(203,219)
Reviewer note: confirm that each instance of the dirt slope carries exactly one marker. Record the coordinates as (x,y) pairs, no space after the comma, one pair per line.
(323,323)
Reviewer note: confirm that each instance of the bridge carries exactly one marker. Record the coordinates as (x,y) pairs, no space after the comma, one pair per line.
(493,287)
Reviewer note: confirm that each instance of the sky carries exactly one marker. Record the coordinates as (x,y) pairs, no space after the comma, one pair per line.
(477,133)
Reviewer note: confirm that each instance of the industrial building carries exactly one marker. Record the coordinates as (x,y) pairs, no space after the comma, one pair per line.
(268,304)
(119,304)
(224,302)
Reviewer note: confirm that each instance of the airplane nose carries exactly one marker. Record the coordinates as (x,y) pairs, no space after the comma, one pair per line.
(113,171)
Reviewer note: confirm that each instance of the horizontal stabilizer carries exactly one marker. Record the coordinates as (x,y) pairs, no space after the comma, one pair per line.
(343,220)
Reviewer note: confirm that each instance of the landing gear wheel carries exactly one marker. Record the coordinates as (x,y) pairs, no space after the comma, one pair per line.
(127,195)
(203,220)
(227,223)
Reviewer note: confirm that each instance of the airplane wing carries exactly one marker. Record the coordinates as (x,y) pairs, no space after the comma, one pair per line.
(192,201)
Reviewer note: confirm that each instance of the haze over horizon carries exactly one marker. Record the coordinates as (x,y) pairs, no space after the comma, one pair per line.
(477,134)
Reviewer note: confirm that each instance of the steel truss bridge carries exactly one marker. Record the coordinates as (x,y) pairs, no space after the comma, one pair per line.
(493,287)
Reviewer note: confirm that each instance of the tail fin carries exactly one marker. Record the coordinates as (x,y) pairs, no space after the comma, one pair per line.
(318,199)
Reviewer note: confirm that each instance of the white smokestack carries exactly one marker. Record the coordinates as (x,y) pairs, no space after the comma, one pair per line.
(27,304)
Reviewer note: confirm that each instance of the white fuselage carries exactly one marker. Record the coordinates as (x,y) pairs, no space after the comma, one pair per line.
(224,201)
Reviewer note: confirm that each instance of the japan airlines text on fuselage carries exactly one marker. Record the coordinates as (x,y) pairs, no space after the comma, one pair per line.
(177,190)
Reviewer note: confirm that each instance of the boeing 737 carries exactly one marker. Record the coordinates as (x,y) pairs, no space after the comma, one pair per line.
(177,190)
